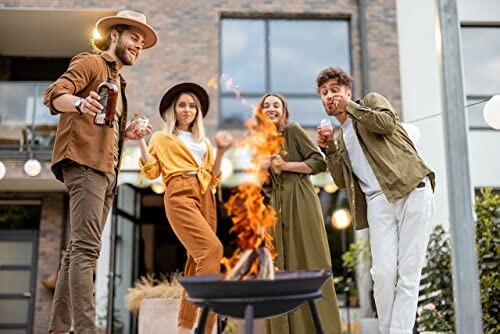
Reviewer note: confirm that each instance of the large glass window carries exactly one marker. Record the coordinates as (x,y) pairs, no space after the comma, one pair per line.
(282,56)
(481,56)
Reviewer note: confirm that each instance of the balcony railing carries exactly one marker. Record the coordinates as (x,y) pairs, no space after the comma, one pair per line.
(25,123)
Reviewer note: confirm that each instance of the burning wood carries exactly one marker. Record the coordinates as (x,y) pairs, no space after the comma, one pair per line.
(253,220)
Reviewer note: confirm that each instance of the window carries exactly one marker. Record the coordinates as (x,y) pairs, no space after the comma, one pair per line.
(481,56)
(282,56)
(19,227)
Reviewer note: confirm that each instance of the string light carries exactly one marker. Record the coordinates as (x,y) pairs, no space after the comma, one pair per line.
(3,170)
(32,167)
(341,218)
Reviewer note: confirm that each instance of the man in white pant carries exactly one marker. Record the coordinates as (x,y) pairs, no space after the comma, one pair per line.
(390,191)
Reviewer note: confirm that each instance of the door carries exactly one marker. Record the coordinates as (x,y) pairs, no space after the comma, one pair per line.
(19,226)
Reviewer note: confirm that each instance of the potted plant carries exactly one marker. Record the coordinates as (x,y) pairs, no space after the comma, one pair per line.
(353,297)
(358,260)
(157,304)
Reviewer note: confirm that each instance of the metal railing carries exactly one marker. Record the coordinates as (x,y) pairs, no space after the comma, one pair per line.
(25,123)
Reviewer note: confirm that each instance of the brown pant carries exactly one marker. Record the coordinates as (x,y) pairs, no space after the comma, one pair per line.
(90,198)
(192,216)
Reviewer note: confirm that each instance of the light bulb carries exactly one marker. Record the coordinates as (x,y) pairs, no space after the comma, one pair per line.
(32,167)
(341,219)
(330,188)
(158,187)
(3,170)
(96,34)
(491,112)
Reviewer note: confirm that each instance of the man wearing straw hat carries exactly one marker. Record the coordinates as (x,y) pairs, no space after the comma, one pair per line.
(86,158)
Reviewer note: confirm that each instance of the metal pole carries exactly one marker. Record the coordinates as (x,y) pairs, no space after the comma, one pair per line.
(464,262)
(112,269)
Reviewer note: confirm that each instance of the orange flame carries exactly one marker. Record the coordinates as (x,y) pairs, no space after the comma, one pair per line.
(253,220)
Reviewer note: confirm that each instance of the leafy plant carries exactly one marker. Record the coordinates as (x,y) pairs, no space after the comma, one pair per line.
(436,307)
(434,319)
(358,253)
(436,279)
(488,254)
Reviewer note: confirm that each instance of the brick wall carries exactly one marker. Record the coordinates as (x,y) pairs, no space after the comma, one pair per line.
(49,246)
(189,42)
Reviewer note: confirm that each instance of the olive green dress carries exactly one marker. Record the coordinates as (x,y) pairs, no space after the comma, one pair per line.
(300,235)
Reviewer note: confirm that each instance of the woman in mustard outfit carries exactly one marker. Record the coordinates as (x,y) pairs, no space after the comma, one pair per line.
(300,235)
(183,156)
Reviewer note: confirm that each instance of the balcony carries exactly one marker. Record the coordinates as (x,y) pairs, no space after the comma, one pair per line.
(25,123)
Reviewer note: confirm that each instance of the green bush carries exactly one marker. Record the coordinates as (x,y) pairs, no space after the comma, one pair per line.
(488,252)
(436,311)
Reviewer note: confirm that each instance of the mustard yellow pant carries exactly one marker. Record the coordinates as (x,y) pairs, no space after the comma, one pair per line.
(192,216)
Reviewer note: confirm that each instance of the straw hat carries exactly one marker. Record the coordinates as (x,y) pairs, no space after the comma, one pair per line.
(175,90)
(130,18)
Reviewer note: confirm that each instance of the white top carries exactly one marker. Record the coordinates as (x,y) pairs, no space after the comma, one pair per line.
(198,149)
(360,166)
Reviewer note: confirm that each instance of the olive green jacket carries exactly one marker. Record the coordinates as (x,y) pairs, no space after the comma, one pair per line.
(388,149)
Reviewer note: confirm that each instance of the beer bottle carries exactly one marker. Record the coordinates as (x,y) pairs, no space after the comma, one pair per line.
(108,92)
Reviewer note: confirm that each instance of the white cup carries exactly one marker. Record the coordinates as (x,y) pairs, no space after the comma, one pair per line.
(141,123)
(325,127)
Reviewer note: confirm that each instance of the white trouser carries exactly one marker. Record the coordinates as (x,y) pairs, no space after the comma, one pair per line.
(399,233)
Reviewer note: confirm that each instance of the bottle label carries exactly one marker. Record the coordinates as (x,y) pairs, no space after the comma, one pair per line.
(100,118)
(104,96)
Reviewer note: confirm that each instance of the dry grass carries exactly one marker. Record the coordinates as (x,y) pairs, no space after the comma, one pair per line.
(148,287)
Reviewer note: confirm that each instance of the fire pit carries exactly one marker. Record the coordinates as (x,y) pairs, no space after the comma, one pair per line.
(255,298)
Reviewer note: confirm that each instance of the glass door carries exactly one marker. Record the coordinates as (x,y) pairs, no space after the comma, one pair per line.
(19,223)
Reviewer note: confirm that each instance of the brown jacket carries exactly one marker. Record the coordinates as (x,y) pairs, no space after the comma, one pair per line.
(388,149)
(77,137)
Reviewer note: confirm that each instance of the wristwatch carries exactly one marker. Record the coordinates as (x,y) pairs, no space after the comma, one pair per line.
(78,104)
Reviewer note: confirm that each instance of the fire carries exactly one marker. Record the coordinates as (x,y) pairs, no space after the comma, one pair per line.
(253,220)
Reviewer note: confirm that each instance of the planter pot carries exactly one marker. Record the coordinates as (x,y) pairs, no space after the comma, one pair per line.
(353,301)
(158,316)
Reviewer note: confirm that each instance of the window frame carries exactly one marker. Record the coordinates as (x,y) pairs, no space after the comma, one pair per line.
(465,25)
(267,17)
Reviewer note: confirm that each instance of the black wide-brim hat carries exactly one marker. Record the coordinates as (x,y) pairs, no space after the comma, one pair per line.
(183,87)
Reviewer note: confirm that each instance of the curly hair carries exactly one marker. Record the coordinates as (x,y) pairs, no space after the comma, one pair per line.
(333,73)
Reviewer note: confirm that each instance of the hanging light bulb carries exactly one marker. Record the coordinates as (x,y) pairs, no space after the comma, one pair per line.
(3,170)
(96,34)
(341,218)
(331,187)
(491,112)
(158,187)
(32,167)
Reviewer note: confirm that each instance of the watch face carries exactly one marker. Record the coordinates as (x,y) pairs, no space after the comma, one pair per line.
(78,103)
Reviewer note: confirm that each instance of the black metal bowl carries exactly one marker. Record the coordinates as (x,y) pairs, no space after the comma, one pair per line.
(286,283)
(263,307)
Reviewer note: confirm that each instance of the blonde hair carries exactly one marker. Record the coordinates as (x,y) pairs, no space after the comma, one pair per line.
(196,128)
